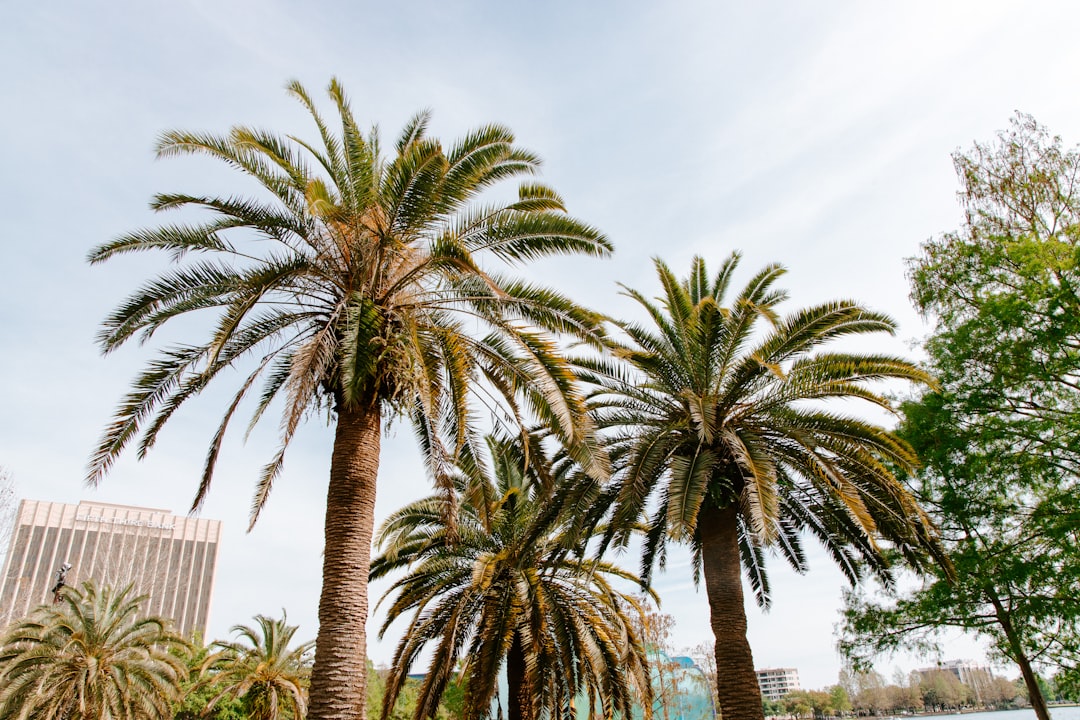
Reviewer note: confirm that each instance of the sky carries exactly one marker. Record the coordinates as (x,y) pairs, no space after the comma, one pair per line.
(813,134)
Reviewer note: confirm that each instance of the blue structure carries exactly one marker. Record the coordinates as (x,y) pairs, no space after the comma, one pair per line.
(678,680)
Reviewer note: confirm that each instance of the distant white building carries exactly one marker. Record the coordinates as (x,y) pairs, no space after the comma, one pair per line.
(971,674)
(775,683)
(976,677)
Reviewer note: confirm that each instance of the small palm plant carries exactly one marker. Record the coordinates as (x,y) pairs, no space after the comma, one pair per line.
(506,587)
(261,670)
(90,657)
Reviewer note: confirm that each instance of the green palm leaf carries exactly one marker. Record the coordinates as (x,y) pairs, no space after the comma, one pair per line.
(261,670)
(507,588)
(358,284)
(723,440)
(90,656)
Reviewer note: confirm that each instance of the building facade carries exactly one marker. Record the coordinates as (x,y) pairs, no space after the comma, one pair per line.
(170,558)
(777,682)
(977,677)
(681,691)
(966,671)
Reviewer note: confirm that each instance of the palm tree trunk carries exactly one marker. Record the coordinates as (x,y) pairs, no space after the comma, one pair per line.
(736,681)
(520,703)
(339,676)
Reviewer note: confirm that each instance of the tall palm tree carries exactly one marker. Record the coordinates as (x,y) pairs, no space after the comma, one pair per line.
(90,657)
(725,440)
(262,670)
(363,286)
(507,587)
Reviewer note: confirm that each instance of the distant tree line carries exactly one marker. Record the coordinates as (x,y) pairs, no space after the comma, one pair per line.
(868,694)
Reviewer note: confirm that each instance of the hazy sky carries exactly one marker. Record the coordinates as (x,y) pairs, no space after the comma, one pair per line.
(816,134)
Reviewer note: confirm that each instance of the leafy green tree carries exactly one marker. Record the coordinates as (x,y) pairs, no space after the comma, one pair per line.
(941,690)
(810,703)
(999,693)
(821,702)
(1000,439)
(451,705)
(839,700)
(1065,688)
(374,689)
(722,441)
(772,708)
(868,691)
(363,285)
(88,657)
(506,586)
(904,696)
(405,703)
(196,692)
(193,705)
(261,670)
(798,704)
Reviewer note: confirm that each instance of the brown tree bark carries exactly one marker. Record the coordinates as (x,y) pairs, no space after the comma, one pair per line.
(339,676)
(1031,682)
(518,693)
(736,681)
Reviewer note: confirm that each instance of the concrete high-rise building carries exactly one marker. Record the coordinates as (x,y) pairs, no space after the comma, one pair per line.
(170,558)
(975,676)
(777,682)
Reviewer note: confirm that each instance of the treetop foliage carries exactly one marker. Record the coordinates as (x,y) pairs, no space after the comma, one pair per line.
(1000,437)
(1003,291)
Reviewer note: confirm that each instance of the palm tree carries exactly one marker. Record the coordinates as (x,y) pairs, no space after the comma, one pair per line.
(90,656)
(261,670)
(361,286)
(197,690)
(722,441)
(506,587)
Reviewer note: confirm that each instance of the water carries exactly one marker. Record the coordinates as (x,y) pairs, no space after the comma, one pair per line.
(1071,712)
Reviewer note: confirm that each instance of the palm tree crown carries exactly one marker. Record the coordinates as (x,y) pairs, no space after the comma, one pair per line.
(508,587)
(262,670)
(357,284)
(352,286)
(724,442)
(89,657)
